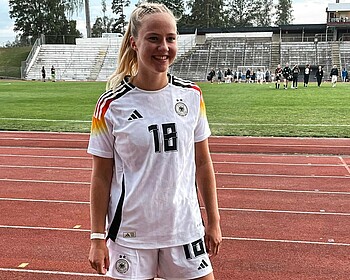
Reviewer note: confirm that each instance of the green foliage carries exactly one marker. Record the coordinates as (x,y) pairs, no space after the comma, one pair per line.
(10,61)
(176,6)
(206,13)
(284,12)
(244,12)
(232,109)
(118,7)
(33,18)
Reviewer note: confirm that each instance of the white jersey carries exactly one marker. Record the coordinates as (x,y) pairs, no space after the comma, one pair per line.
(151,136)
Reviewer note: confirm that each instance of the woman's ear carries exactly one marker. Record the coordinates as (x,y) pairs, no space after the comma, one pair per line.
(133,43)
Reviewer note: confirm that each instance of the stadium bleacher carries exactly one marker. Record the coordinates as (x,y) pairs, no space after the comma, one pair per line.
(95,59)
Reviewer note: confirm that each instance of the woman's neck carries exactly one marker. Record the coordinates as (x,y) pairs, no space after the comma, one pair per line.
(150,82)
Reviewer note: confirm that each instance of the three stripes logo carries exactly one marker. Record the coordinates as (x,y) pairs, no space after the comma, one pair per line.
(135,116)
(203,265)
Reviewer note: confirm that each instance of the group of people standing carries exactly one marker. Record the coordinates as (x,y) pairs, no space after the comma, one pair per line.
(229,76)
(292,74)
(53,74)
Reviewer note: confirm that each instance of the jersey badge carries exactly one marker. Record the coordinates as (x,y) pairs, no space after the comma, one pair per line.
(181,108)
(122,265)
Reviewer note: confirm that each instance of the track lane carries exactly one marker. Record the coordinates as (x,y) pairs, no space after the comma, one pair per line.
(270,228)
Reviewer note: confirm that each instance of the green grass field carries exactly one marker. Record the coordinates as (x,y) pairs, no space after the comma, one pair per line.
(232,109)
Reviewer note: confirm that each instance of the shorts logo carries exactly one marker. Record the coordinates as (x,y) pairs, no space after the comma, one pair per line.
(181,108)
(122,265)
(203,265)
(131,234)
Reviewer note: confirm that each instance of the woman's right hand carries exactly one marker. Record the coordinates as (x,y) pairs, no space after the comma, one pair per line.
(98,256)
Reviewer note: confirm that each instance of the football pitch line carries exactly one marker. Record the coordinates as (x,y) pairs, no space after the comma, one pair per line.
(216,124)
(281,124)
(43,120)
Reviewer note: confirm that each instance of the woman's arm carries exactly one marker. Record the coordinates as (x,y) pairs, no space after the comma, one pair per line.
(101,177)
(207,187)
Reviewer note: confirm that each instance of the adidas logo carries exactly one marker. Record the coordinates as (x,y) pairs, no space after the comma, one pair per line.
(135,115)
(203,265)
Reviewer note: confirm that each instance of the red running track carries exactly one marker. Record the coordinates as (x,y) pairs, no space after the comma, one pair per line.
(284,204)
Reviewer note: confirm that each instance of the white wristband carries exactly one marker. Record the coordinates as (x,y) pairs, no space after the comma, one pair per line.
(97,236)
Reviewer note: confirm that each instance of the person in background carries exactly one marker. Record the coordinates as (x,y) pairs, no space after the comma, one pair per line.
(307,71)
(211,75)
(344,74)
(267,76)
(53,74)
(278,76)
(287,73)
(248,76)
(334,75)
(295,74)
(220,76)
(149,144)
(319,75)
(43,74)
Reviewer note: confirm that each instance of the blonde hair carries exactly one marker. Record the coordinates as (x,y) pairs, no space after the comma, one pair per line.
(128,64)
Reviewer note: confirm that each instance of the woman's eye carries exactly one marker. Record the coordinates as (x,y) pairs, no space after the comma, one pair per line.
(171,39)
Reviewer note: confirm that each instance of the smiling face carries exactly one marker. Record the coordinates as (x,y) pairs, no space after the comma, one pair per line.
(155,44)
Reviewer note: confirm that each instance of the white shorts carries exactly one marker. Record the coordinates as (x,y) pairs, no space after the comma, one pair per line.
(334,78)
(181,262)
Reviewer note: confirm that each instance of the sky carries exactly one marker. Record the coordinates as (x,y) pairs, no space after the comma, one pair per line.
(304,12)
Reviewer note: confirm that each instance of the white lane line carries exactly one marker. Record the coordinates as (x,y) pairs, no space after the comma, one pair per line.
(316,191)
(45,167)
(43,181)
(283,211)
(283,175)
(44,228)
(49,272)
(44,200)
(287,241)
(43,156)
(345,164)
(269,155)
(225,238)
(278,163)
(42,148)
(220,208)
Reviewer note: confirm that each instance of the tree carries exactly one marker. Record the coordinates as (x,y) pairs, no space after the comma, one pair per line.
(264,17)
(284,12)
(76,5)
(243,13)
(206,13)
(47,17)
(176,6)
(118,8)
(102,25)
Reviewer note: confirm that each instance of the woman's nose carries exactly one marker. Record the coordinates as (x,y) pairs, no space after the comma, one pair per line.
(163,45)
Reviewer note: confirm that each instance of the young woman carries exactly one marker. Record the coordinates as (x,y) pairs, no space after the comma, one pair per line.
(278,75)
(307,75)
(149,142)
(295,75)
(287,73)
(319,75)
